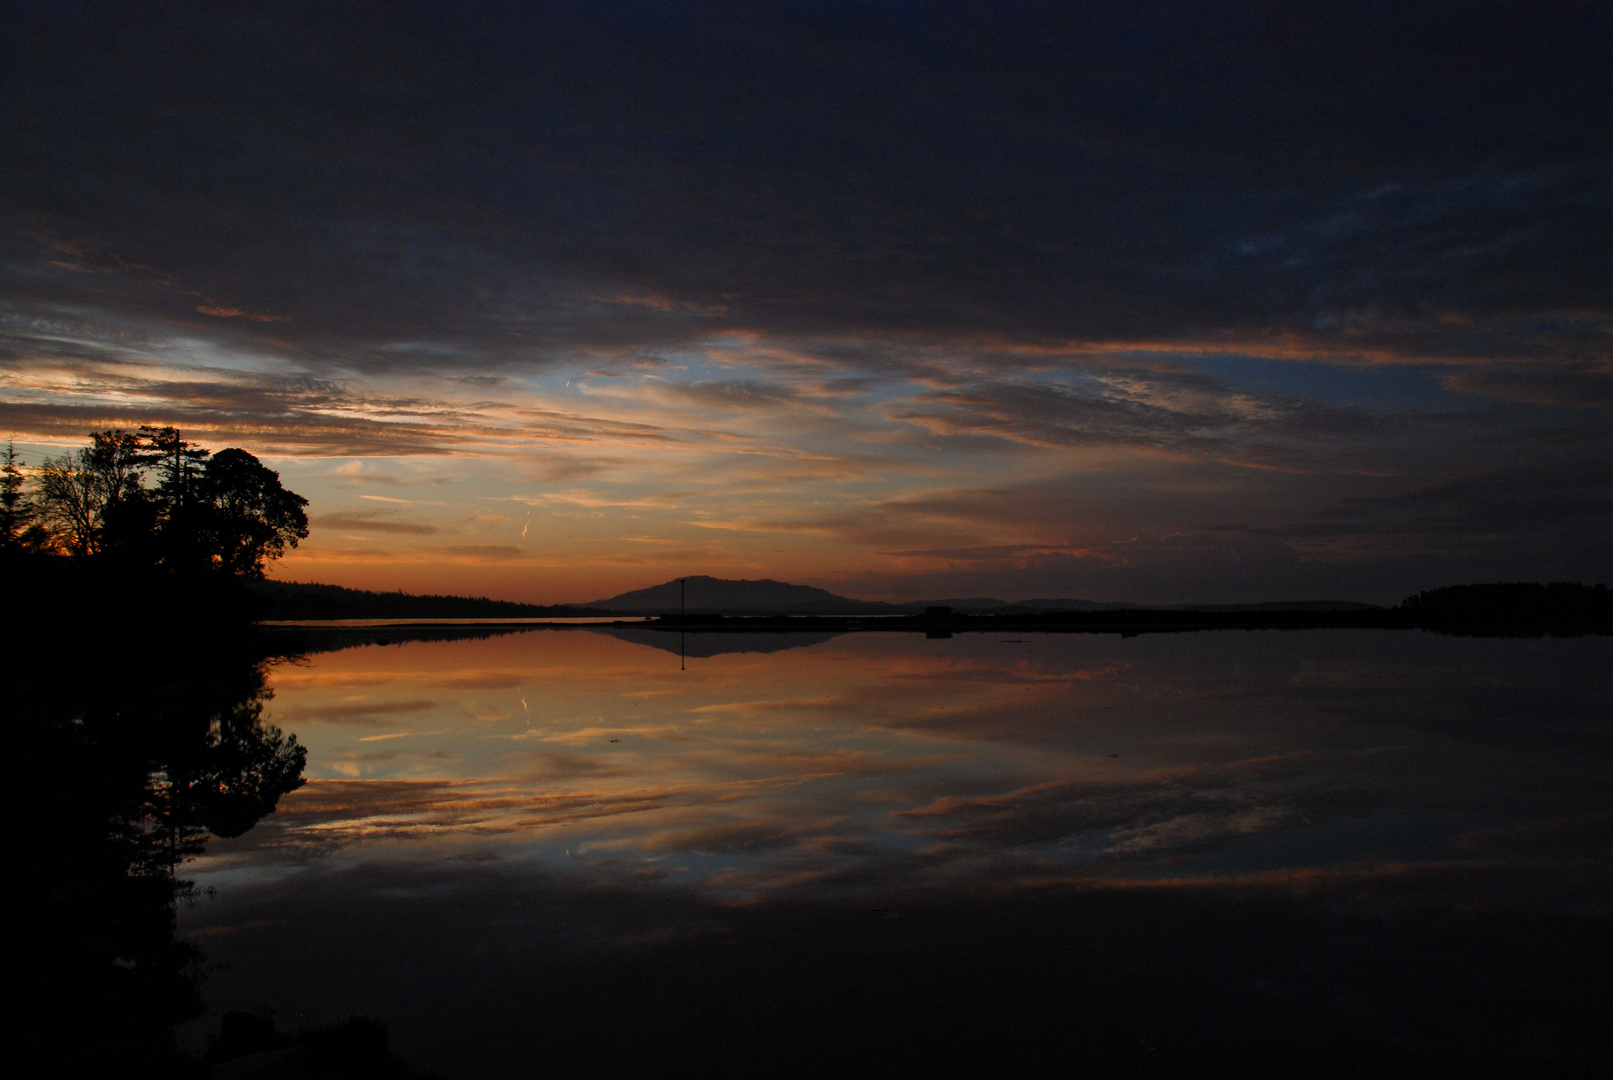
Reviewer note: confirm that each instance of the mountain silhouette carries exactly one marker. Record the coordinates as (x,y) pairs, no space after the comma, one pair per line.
(704,595)
(709,595)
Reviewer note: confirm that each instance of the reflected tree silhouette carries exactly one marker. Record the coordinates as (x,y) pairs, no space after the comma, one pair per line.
(221,782)
(127,759)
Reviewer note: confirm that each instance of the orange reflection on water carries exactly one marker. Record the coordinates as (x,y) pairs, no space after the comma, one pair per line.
(833,760)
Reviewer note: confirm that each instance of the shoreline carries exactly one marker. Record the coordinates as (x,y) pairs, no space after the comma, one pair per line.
(1126,623)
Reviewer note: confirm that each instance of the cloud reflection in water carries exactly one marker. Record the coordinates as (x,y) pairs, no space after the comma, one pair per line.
(875,760)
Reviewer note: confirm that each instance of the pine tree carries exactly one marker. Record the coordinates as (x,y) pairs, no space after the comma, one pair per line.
(16,509)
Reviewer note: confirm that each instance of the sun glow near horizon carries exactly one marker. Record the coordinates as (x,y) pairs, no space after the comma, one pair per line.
(1118,473)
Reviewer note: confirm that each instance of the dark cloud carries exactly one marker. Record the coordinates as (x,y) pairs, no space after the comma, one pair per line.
(565,173)
(1541,520)
(731,838)
(1560,386)
(1156,408)
(746,396)
(380,521)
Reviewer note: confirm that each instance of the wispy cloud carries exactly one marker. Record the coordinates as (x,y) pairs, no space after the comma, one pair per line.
(372,521)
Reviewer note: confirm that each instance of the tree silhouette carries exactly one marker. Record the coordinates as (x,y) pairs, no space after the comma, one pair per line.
(251,518)
(226,512)
(71,500)
(134,752)
(17,512)
(93,501)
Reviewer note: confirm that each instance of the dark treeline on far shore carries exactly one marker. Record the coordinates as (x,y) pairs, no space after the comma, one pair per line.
(1528,606)
(1561,609)
(277,600)
(1521,598)
(1502,608)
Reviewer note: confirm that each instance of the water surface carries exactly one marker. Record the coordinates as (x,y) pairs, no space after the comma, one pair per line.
(479,811)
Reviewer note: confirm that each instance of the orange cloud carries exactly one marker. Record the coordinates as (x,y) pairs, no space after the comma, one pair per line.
(236,313)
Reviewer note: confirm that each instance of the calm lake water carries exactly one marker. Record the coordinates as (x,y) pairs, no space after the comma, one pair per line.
(502,839)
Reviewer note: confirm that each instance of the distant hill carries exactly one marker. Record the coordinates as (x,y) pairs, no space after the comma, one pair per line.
(710,596)
(294,600)
(716,596)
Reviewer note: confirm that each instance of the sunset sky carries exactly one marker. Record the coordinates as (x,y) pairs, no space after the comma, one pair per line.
(1206,302)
